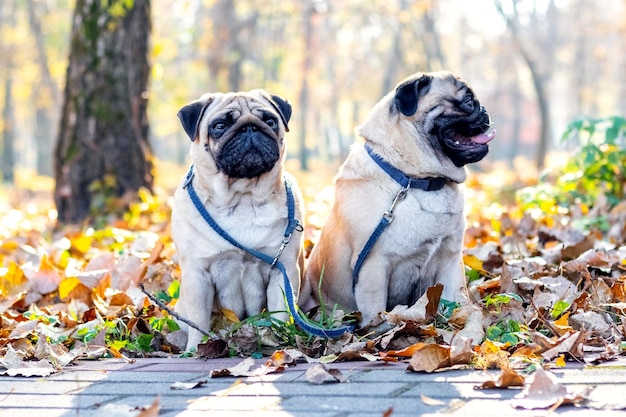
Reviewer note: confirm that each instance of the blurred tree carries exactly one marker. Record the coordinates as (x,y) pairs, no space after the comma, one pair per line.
(539,74)
(46,98)
(102,147)
(8,136)
(228,46)
(7,16)
(308,11)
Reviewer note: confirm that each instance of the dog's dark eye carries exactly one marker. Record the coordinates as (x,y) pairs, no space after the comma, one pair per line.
(218,126)
(468,102)
(271,122)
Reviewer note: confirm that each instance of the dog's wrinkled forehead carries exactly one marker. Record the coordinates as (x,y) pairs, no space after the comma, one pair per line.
(427,91)
(449,90)
(236,103)
(259,103)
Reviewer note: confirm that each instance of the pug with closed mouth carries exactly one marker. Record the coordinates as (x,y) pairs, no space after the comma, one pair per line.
(237,177)
(397,224)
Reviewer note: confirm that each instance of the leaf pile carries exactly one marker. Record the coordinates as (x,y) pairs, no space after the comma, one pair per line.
(552,288)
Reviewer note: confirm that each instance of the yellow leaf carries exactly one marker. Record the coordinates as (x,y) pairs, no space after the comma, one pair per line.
(563,321)
(81,242)
(489,346)
(13,280)
(473,262)
(67,285)
(562,324)
(560,361)
(230,315)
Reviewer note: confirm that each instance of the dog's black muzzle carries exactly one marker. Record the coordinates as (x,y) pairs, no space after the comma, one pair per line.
(249,152)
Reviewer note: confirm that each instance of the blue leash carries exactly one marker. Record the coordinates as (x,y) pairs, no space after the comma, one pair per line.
(292,225)
(426,184)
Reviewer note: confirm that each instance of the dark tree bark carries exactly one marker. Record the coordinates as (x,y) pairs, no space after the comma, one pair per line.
(103,144)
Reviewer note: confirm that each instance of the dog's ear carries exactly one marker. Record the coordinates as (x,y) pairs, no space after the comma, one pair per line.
(409,91)
(191,114)
(281,105)
(284,109)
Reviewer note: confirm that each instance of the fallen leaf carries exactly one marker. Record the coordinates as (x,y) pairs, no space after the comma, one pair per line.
(152,411)
(430,358)
(461,350)
(544,392)
(46,279)
(569,343)
(507,378)
(241,369)
(431,401)
(187,385)
(318,374)
(229,315)
(407,352)
(214,348)
(15,365)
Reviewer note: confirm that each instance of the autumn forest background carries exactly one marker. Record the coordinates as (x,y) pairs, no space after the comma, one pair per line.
(89,164)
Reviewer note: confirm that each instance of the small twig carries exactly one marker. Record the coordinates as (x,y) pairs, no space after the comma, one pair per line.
(173,313)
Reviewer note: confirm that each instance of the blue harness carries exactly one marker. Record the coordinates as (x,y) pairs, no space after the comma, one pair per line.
(406,182)
(292,225)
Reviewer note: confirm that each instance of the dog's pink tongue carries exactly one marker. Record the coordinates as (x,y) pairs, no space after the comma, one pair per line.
(484,138)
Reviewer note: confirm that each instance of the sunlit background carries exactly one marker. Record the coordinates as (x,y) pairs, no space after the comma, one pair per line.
(333,60)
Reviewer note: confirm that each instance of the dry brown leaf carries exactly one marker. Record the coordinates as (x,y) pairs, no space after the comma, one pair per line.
(569,343)
(507,378)
(461,350)
(319,374)
(434,296)
(430,358)
(407,352)
(15,365)
(544,392)
(241,369)
(214,348)
(46,279)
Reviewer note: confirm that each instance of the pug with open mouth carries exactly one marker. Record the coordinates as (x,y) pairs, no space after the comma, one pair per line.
(397,225)
(235,205)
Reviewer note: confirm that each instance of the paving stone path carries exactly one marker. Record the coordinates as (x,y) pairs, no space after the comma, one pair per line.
(115,388)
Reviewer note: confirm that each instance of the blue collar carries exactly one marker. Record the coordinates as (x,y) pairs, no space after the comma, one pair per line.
(426,184)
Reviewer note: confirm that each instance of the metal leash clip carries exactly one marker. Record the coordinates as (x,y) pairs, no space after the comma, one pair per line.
(298,228)
(400,195)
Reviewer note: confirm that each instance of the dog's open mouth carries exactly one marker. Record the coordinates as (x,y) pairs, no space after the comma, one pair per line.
(466,147)
(480,139)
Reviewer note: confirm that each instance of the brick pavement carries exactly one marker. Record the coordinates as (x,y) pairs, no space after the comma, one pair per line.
(114,388)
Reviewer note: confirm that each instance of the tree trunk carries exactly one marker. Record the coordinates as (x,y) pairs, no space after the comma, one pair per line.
(538,84)
(432,45)
(227,50)
(7,163)
(8,137)
(102,148)
(46,98)
(309,10)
